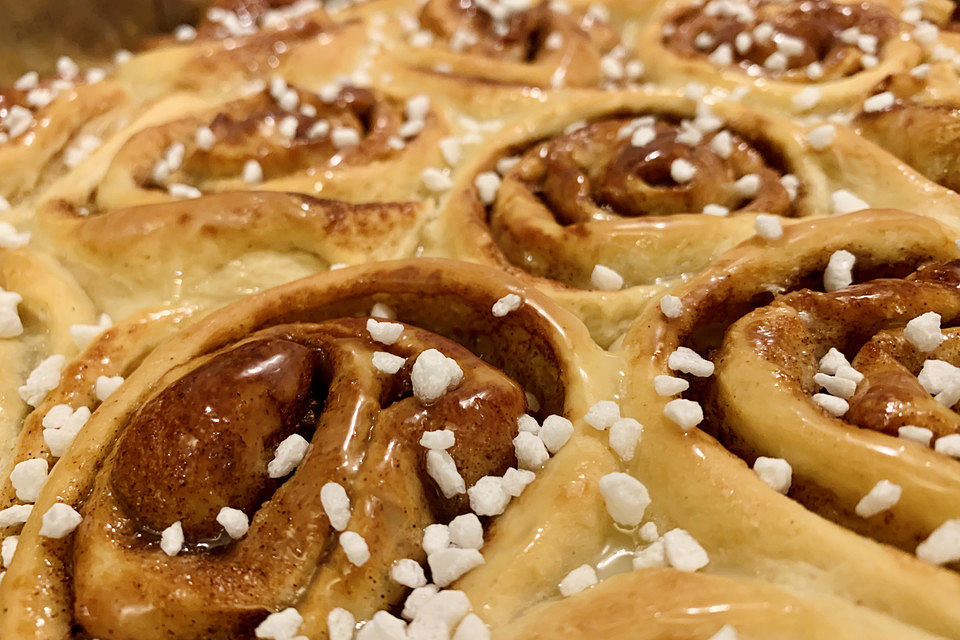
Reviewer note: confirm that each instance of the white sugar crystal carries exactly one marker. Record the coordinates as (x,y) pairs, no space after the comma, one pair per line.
(61,425)
(472,628)
(624,437)
(83,334)
(948,445)
(832,361)
(916,434)
(434,374)
(653,555)
(807,98)
(747,186)
(448,606)
(831,404)
(844,201)
(603,414)
(8,549)
(822,137)
(937,376)
(384,332)
(487,184)
(336,504)
(528,423)
(943,545)
(343,137)
(722,144)
(436,180)
(768,227)
(340,624)
(451,150)
(686,414)
(106,385)
(10,238)
(436,537)
(682,171)
(836,385)
(171,539)
(506,304)
(683,552)
(383,626)
(17,514)
(252,172)
(204,138)
(880,498)
(669,385)
(10,324)
(443,469)
(234,522)
(60,520)
(776,472)
(583,577)
(648,532)
(923,332)
(878,102)
(408,572)
(417,599)
(289,454)
(185,33)
(555,432)
(516,480)
(42,380)
(28,478)
(671,306)
(530,451)
(387,362)
(466,531)
(182,191)
(449,564)
(689,361)
(487,497)
(605,279)
(282,625)
(839,271)
(439,439)
(355,548)
(625,496)
(716,210)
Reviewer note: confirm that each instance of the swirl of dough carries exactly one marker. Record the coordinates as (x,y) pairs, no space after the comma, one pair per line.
(197,424)
(748,348)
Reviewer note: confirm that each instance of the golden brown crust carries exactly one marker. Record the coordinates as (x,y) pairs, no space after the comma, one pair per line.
(364,416)
(759,403)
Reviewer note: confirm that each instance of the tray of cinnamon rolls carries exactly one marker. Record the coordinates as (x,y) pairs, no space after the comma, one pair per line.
(487,319)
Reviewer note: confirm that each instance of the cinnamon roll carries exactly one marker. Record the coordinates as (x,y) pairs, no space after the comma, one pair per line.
(755,362)
(924,101)
(798,57)
(653,187)
(492,58)
(333,144)
(50,125)
(198,481)
(236,41)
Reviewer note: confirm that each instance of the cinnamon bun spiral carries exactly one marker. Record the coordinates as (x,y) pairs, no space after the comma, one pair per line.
(798,57)
(653,186)
(236,41)
(196,426)
(49,126)
(494,58)
(763,356)
(330,144)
